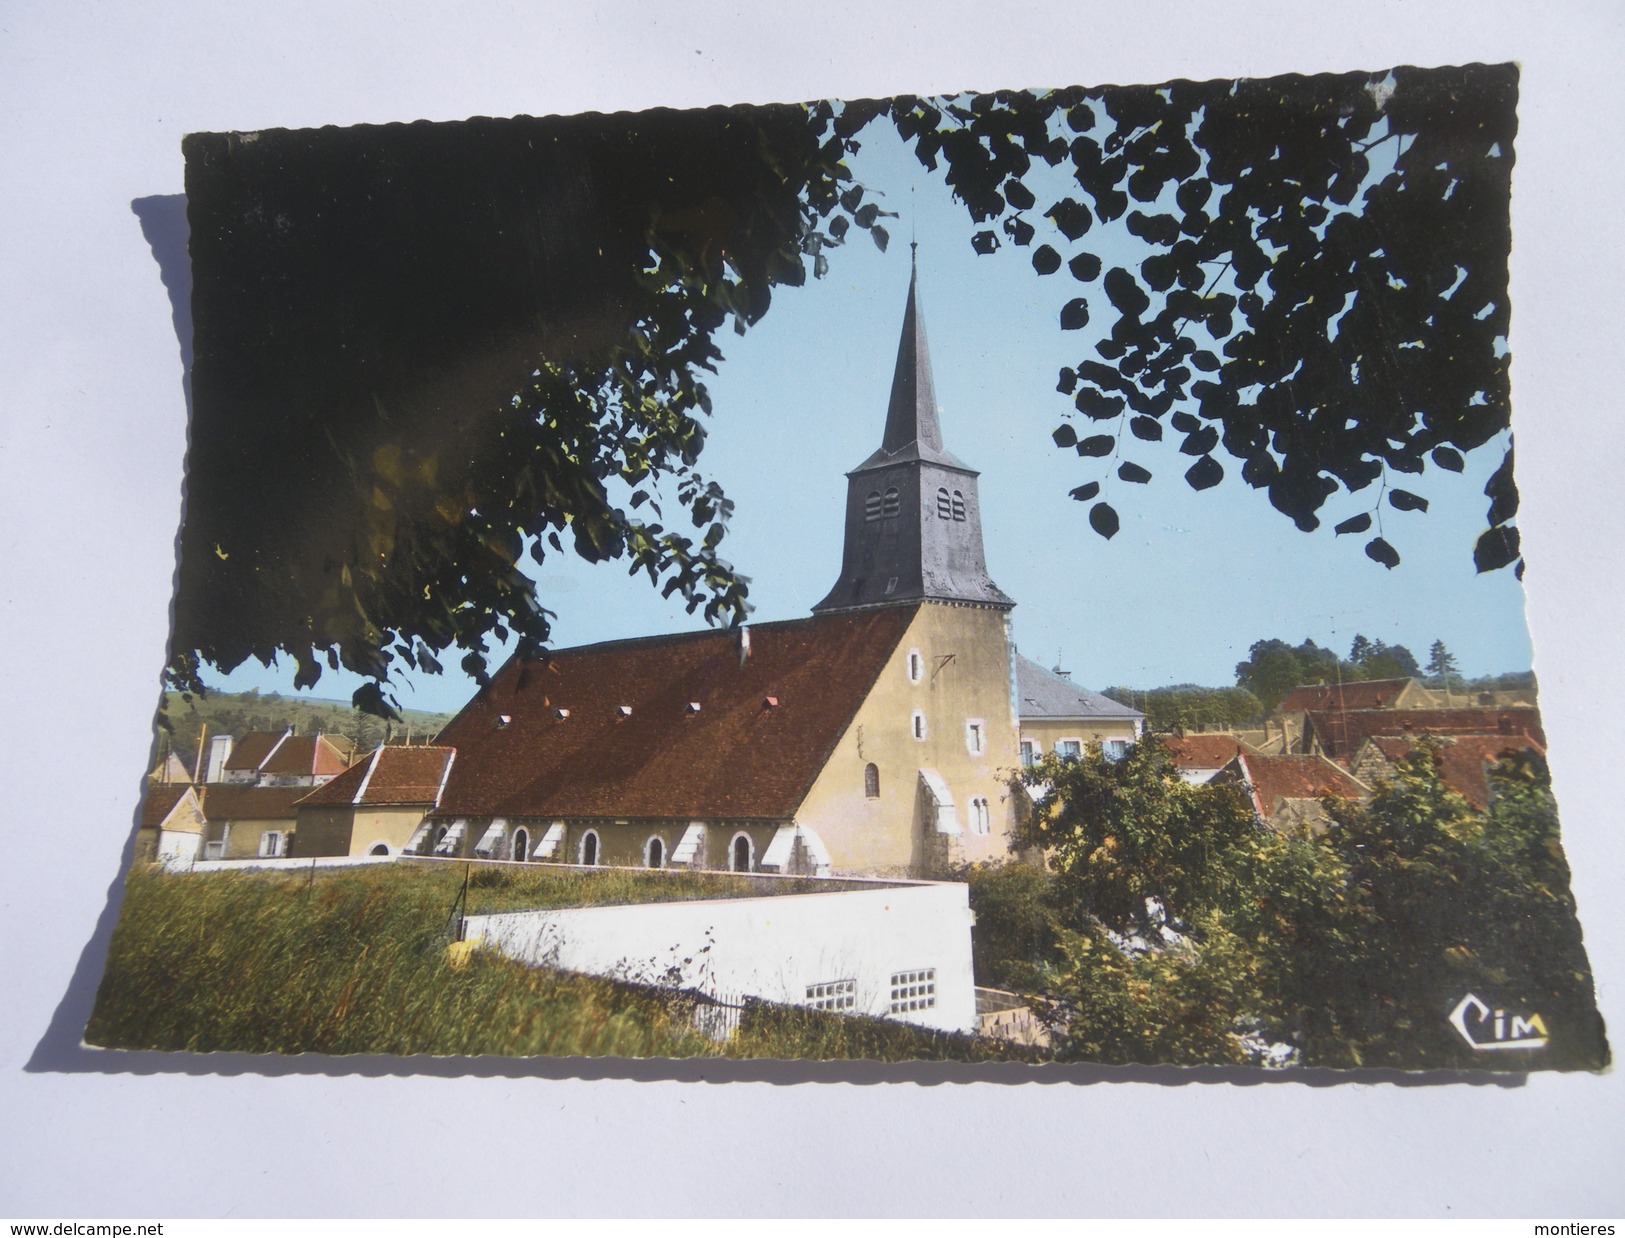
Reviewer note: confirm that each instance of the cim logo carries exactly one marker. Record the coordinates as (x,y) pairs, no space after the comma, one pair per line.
(1487,1029)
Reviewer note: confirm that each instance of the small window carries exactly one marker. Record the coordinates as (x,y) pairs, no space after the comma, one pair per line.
(871,506)
(975,739)
(916,666)
(945,506)
(1029,753)
(271,843)
(891,505)
(654,853)
(871,781)
(1069,749)
(981,819)
(379,849)
(589,848)
(959,506)
(919,724)
(913,990)
(520,848)
(740,854)
(1114,749)
(833,995)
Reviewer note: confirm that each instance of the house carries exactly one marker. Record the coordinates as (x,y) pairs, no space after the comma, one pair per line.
(1286,791)
(379,805)
(1464,760)
(875,737)
(1199,757)
(1339,734)
(171,826)
(275,759)
(247,821)
(170,770)
(1402,693)
(1060,717)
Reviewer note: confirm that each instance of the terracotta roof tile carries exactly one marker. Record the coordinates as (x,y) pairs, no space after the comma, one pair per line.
(1357,694)
(1463,759)
(1341,732)
(160,800)
(737,757)
(1203,751)
(275,752)
(391,775)
(1295,778)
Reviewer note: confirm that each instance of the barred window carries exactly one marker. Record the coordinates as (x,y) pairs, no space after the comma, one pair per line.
(959,506)
(891,506)
(913,990)
(945,507)
(871,506)
(833,995)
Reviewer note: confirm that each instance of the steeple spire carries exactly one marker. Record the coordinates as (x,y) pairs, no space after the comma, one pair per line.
(913,519)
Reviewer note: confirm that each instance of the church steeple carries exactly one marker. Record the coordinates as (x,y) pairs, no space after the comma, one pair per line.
(913,519)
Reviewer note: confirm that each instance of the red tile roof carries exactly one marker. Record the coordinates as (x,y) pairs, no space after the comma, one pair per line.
(393,775)
(161,799)
(1295,778)
(737,757)
(237,802)
(1358,694)
(1464,760)
(1341,732)
(1203,751)
(272,752)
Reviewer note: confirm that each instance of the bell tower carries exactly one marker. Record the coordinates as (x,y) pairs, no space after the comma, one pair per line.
(913,518)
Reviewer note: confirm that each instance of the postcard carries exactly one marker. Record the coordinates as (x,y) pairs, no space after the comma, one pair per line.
(1028,576)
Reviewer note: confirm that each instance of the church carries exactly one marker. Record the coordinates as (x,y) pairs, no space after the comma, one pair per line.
(878,737)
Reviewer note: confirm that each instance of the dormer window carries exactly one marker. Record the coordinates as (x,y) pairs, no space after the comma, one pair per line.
(693,707)
(872,505)
(945,506)
(625,711)
(958,506)
(561,713)
(502,720)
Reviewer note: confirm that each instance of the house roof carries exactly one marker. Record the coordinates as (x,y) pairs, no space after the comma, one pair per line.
(1294,778)
(1341,732)
(1464,760)
(1359,694)
(1203,751)
(274,752)
(1044,694)
(390,775)
(223,801)
(161,799)
(764,728)
(170,770)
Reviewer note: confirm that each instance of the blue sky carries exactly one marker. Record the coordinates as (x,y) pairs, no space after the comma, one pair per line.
(1187,585)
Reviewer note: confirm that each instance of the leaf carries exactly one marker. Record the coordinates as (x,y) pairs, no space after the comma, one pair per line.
(1084,267)
(1382,552)
(1097,445)
(1125,293)
(1185,423)
(1018,195)
(1148,428)
(1129,471)
(1200,441)
(1071,217)
(1074,314)
(1045,260)
(1064,436)
(1086,491)
(984,242)
(1502,492)
(1354,524)
(1496,548)
(881,237)
(1405,501)
(1103,519)
(1205,473)
(1448,458)
(1067,383)
(1204,360)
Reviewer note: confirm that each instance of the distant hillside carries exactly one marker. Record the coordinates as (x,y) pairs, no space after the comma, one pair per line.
(236,713)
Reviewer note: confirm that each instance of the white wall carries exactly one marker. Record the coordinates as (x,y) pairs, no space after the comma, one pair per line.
(772,947)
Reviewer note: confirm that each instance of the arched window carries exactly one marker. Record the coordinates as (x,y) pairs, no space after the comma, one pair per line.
(959,506)
(871,506)
(945,506)
(871,781)
(981,820)
(379,849)
(521,845)
(589,848)
(740,854)
(891,505)
(654,852)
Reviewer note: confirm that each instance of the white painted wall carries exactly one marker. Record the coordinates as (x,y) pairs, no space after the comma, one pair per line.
(290,864)
(771,947)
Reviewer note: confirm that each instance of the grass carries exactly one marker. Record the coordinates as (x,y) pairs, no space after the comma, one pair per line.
(356,961)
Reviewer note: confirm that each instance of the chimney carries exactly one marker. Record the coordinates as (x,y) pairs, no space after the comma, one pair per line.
(219,754)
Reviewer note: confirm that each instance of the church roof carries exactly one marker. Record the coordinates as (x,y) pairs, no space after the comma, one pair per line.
(913,431)
(687,726)
(1044,694)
